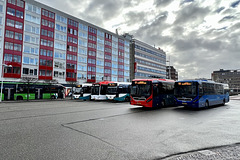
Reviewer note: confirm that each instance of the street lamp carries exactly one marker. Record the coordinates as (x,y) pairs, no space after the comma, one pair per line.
(3,66)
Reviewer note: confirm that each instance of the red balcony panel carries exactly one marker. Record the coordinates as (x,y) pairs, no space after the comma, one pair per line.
(71,70)
(47,18)
(11,75)
(8,16)
(120,63)
(72,35)
(91,65)
(13,64)
(91,41)
(91,81)
(47,28)
(107,53)
(92,57)
(73,27)
(107,67)
(108,60)
(72,53)
(47,38)
(45,57)
(16,7)
(13,52)
(72,44)
(45,68)
(92,49)
(46,48)
(71,79)
(72,62)
(45,77)
(14,29)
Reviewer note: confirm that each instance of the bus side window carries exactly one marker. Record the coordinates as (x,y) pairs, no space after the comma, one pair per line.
(200,91)
(155,90)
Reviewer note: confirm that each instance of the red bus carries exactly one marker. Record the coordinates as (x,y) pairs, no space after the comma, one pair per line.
(152,92)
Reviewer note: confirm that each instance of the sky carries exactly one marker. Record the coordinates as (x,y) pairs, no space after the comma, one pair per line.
(198,36)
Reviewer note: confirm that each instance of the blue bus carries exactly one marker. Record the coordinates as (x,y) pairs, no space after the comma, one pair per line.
(200,93)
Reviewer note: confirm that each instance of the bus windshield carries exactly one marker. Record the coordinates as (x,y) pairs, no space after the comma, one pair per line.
(95,90)
(112,90)
(141,90)
(185,89)
(86,89)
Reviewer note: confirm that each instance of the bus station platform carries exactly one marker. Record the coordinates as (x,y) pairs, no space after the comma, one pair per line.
(216,153)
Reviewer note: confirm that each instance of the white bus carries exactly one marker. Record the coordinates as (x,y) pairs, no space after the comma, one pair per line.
(85,91)
(118,91)
(99,90)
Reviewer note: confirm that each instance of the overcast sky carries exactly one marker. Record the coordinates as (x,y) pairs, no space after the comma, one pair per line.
(199,36)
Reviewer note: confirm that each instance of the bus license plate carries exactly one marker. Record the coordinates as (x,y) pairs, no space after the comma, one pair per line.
(184,103)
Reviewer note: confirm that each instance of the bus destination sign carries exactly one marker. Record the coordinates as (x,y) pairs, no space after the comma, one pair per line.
(112,84)
(184,83)
(140,82)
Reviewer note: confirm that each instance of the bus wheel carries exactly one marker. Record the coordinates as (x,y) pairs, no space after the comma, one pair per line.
(223,102)
(19,98)
(206,104)
(127,99)
(163,104)
(52,97)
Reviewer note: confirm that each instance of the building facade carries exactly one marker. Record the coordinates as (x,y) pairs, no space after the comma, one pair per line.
(45,43)
(148,61)
(230,77)
(171,73)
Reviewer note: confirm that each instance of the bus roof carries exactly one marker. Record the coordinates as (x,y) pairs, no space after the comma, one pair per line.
(123,83)
(151,80)
(203,81)
(86,84)
(104,82)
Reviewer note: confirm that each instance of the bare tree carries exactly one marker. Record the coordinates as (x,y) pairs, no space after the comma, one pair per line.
(28,80)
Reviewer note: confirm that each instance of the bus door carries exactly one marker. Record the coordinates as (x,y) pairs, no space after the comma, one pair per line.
(156,96)
(9,94)
(38,93)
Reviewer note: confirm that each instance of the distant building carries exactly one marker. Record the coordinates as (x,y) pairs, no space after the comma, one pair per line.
(172,72)
(148,61)
(231,77)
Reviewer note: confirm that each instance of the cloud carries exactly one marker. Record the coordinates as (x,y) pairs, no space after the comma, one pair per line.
(191,14)
(162,3)
(235,4)
(226,18)
(220,9)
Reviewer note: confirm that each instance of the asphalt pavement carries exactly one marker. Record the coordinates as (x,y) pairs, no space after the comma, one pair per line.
(228,152)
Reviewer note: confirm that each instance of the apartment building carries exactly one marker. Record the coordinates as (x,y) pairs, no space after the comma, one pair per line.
(42,42)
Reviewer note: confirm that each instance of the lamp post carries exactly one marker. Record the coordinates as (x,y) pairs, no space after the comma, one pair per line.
(3,66)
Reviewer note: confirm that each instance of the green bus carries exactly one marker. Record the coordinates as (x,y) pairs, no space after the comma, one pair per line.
(20,90)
